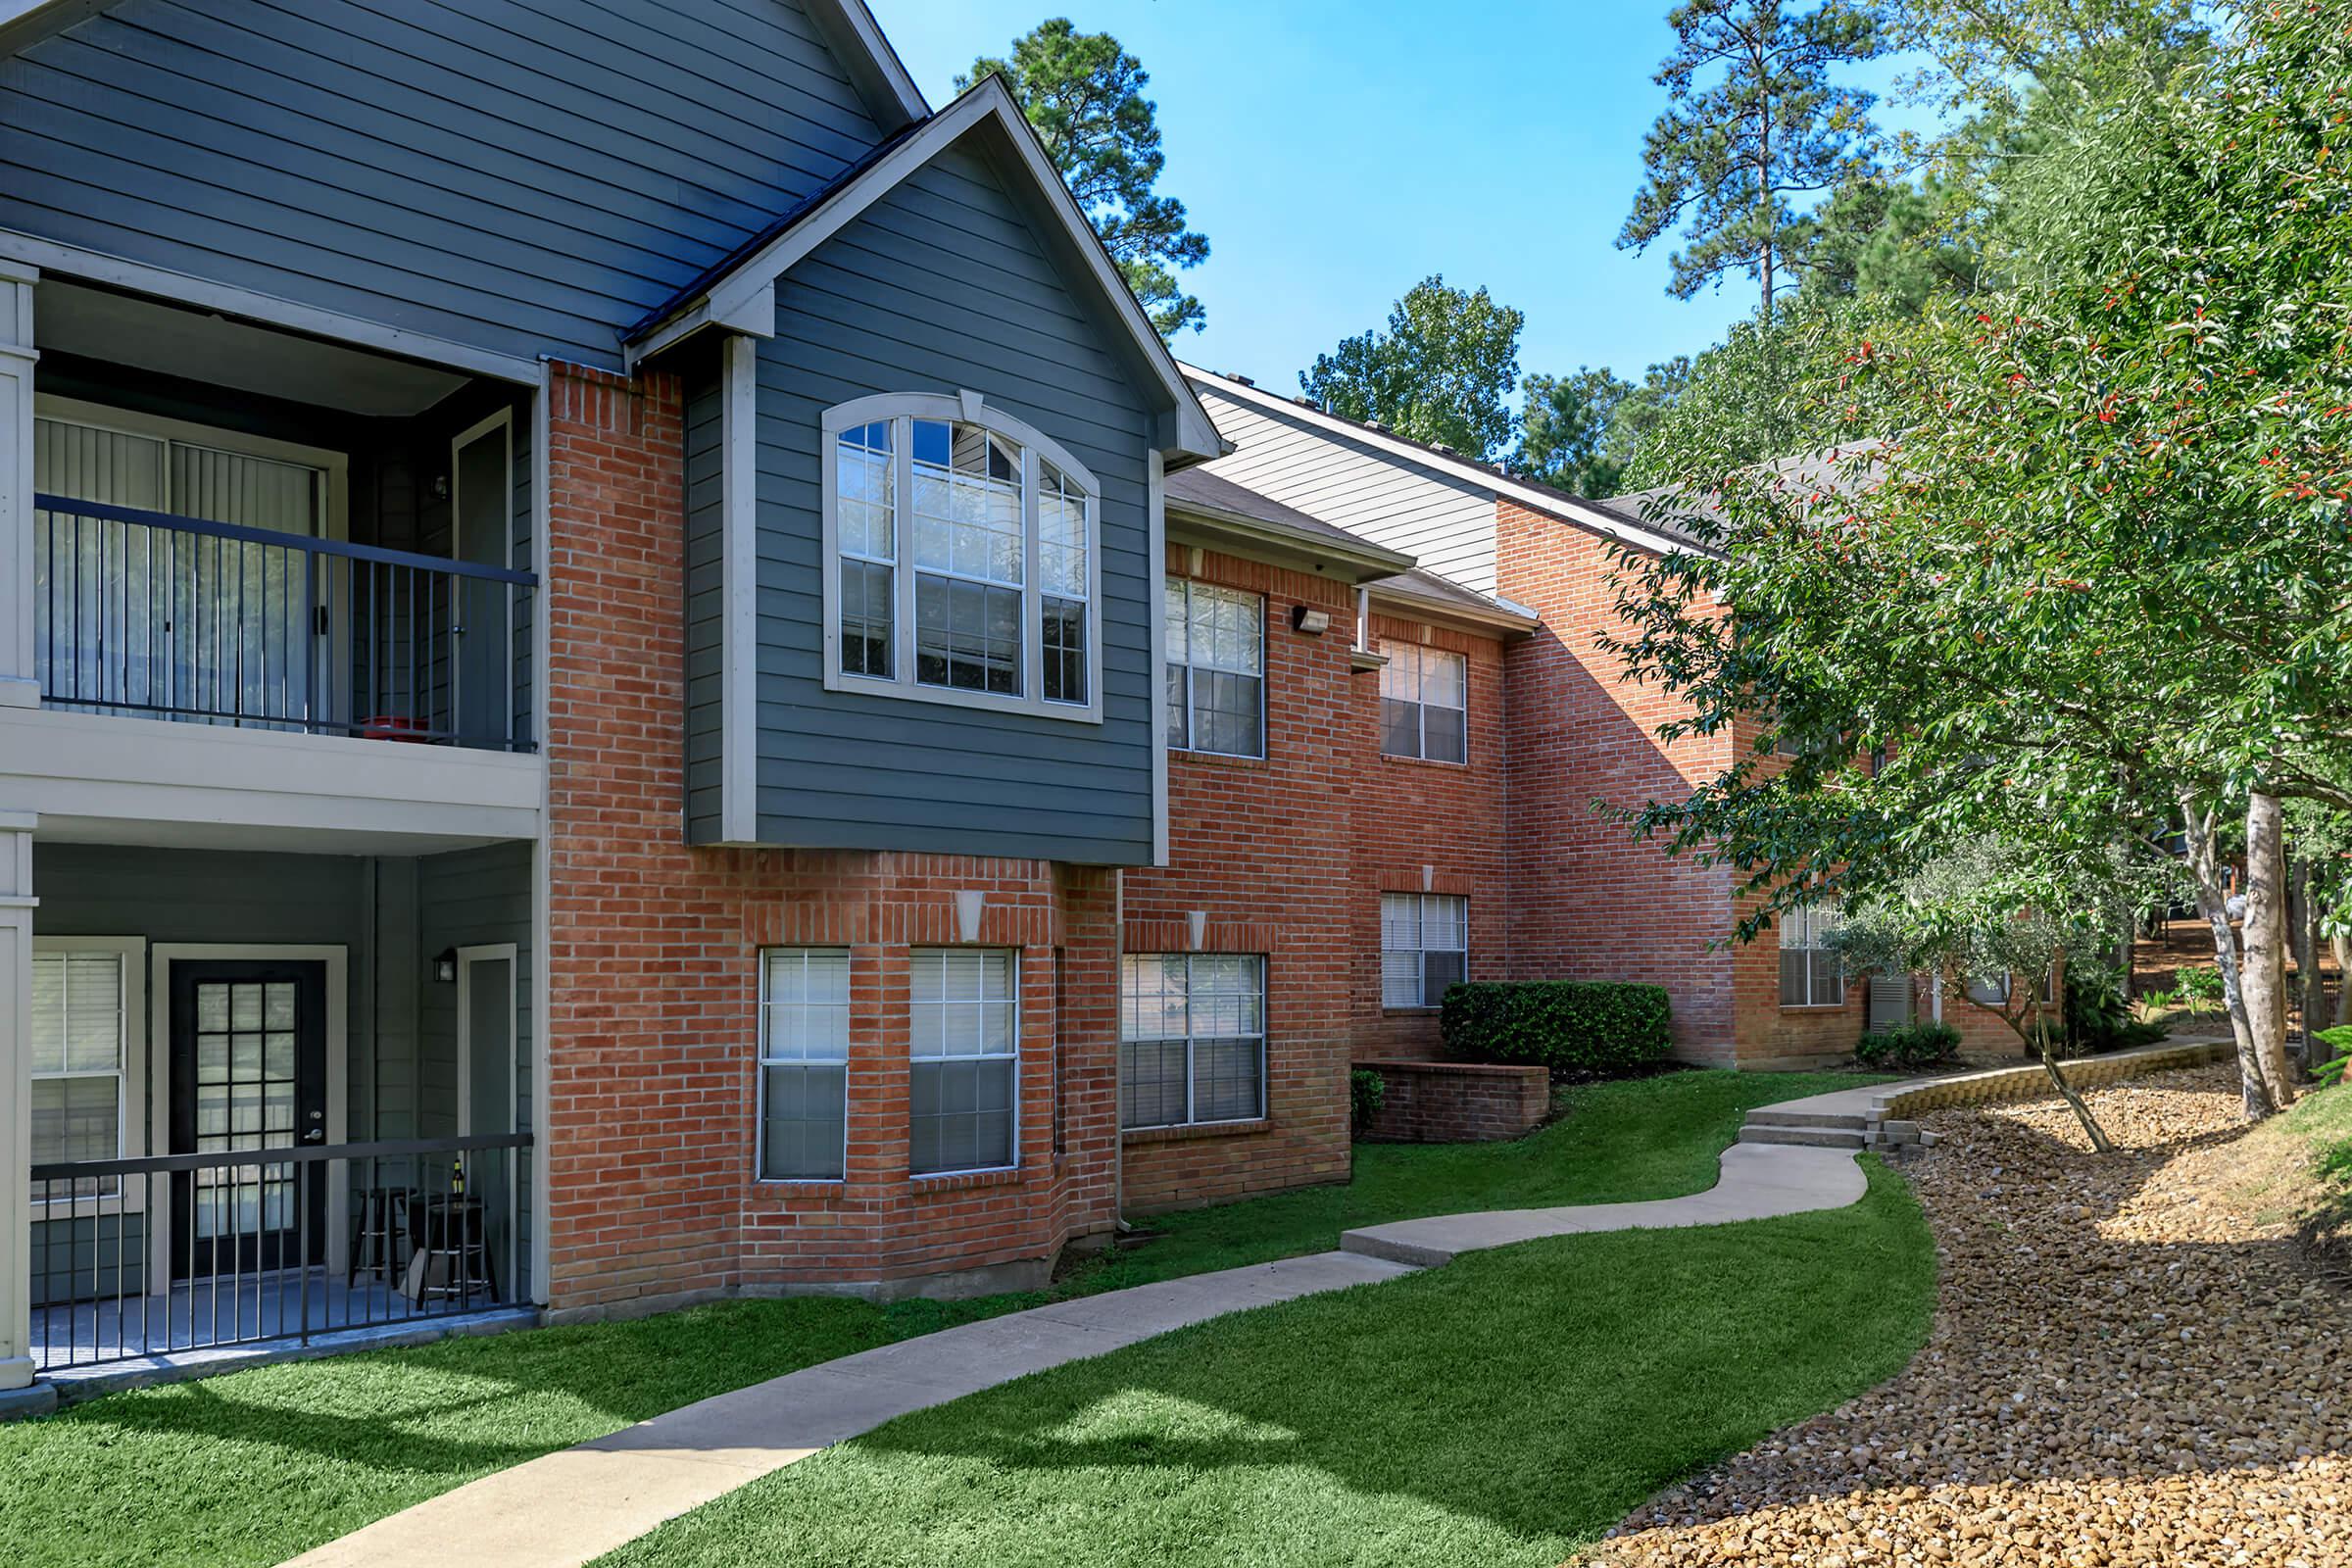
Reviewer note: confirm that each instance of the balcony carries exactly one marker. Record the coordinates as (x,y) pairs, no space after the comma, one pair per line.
(176,618)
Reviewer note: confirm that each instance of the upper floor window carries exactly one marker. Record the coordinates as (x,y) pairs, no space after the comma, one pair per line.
(1811,975)
(1216,669)
(1424,703)
(961,559)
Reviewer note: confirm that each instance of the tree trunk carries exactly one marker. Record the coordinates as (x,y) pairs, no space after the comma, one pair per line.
(2038,1039)
(2305,907)
(2343,978)
(2212,903)
(2264,941)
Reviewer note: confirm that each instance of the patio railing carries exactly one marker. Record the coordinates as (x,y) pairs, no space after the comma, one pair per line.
(211,622)
(164,1254)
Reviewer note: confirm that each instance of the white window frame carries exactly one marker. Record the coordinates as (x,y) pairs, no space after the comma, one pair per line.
(899,410)
(765,1059)
(1801,931)
(1420,903)
(916,1056)
(1187,663)
(1192,1117)
(1422,653)
(130,1194)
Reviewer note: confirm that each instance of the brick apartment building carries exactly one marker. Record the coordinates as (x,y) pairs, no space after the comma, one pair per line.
(767,719)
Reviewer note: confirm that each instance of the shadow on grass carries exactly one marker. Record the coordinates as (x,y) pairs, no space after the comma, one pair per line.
(1503,1409)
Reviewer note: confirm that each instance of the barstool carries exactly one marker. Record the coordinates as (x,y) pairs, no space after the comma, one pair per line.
(376,1240)
(452,1256)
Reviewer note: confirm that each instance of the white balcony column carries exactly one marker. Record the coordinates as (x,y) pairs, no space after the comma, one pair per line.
(19,684)
(15,1099)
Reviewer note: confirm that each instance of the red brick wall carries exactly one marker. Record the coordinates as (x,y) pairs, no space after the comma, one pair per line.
(1260,845)
(1585,902)
(1429,827)
(653,953)
(1457,1101)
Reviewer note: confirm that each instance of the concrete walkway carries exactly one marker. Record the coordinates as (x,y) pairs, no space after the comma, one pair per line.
(568,1508)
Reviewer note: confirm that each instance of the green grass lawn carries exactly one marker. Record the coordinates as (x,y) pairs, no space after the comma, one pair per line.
(1502,1411)
(254,1466)
(1613,1143)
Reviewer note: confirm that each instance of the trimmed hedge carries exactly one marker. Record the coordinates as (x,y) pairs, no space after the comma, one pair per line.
(1595,1026)
(1911,1044)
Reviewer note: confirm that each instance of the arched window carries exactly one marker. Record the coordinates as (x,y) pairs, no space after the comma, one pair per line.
(961,559)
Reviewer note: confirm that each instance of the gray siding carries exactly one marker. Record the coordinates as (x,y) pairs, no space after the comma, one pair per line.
(1445,522)
(944,285)
(517,175)
(706,605)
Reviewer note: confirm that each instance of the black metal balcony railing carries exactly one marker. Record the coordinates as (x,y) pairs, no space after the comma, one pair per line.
(159,1255)
(212,622)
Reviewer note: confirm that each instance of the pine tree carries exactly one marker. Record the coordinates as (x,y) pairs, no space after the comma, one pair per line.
(1754,136)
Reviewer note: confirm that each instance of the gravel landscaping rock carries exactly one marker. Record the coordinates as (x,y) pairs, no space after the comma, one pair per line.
(2121,1372)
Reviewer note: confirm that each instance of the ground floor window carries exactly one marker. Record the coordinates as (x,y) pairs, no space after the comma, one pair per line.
(1811,974)
(963,1040)
(804,1063)
(80,1095)
(1192,1038)
(1424,946)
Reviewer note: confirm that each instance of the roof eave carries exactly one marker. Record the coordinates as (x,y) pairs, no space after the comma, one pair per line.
(1366,562)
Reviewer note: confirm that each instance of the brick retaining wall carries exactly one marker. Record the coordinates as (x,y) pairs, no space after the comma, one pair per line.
(1458,1102)
(2031,1082)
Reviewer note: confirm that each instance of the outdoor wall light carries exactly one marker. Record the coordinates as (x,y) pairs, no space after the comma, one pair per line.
(1311,623)
(444,966)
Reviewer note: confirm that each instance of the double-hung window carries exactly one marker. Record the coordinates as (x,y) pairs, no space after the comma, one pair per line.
(804,1063)
(963,1033)
(961,559)
(80,1091)
(1192,1039)
(1811,974)
(1216,669)
(1424,946)
(1424,703)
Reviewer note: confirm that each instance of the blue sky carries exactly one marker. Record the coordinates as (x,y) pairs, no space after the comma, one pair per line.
(1335,154)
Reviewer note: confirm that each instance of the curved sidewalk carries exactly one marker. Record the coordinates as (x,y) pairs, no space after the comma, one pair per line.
(567,1509)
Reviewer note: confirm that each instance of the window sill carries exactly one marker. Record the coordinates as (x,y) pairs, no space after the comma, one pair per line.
(1216,758)
(907,691)
(1421,1011)
(1813,1007)
(1186,1132)
(961,1181)
(1424,762)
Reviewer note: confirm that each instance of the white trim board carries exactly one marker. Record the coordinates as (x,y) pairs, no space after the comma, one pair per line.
(743,298)
(160,958)
(1550,503)
(739,636)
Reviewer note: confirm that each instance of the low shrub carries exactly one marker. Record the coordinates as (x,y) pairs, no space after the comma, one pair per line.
(1909,1045)
(2338,1042)
(1367,1091)
(1606,1028)
(2098,1019)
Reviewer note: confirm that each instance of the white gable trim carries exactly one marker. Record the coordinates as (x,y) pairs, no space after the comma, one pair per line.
(1550,501)
(872,64)
(741,299)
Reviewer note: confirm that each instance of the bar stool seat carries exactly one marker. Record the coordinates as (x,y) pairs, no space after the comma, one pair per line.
(375,1241)
(452,1248)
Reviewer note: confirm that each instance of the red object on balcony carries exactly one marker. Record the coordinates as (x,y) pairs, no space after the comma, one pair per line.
(393,727)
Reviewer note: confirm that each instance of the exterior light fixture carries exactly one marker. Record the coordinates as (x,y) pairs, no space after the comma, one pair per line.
(444,966)
(1309,622)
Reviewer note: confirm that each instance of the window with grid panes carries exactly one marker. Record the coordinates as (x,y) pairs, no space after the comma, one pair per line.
(79,1055)
(804,1063)
(1424,946)
(1216,669)
(1424,703)
(1192,1038)
(1811,974)
(963,1044)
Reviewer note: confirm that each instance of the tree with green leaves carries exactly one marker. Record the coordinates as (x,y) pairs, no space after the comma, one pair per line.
(1442,371)
(1569,437)
(1754,136)
(2003,911)
(2080,543)
(1084,96)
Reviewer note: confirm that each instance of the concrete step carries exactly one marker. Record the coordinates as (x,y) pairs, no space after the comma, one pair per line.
(1776,1117)
(1804,1137)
